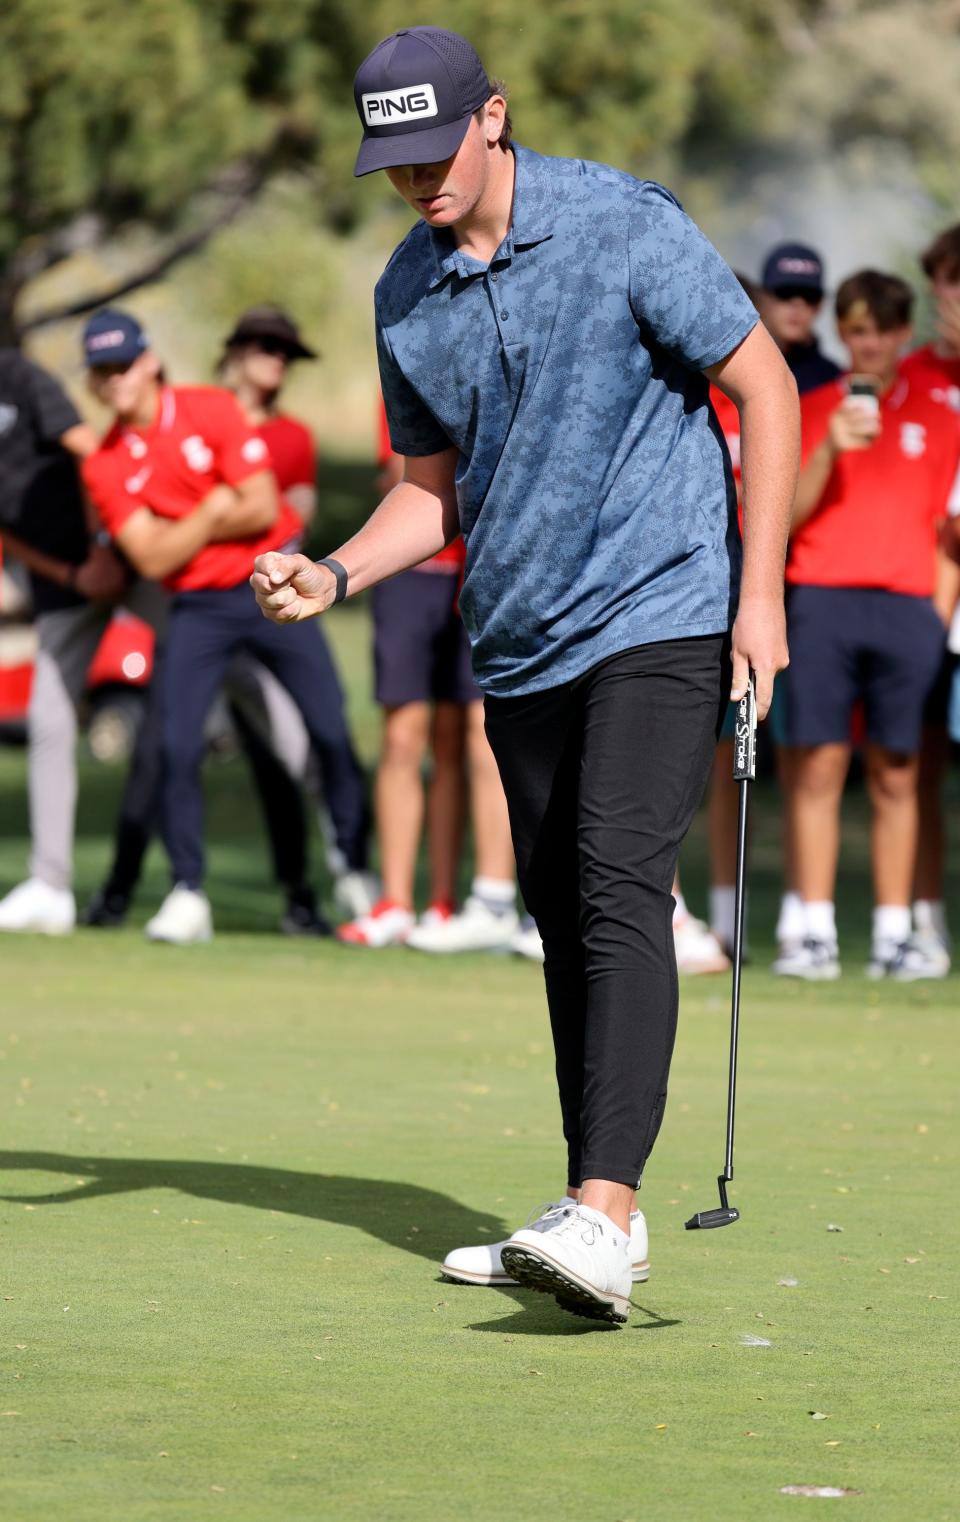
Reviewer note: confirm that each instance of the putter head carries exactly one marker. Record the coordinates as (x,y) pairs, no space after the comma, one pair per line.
(705,1220)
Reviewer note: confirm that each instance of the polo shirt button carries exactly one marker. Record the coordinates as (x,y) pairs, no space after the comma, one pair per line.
(504,313)
(494,275)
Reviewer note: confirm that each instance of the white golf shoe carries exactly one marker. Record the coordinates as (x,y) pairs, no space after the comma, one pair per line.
(34,905)
(183,919)
(387,924)
(920,957)
(526,941)
(812,960)
(584,1262)
(475,928)
(483,1265)
(698,950)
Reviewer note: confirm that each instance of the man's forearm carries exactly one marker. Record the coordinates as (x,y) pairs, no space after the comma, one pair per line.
(813,481)
(160,547)
(61,572)
(770,453)
(409,526)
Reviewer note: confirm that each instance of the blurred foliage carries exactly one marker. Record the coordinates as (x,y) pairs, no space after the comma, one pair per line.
(114,113)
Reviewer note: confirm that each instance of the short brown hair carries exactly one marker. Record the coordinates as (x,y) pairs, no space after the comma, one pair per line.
(497,87)
(885,298)
(943,255)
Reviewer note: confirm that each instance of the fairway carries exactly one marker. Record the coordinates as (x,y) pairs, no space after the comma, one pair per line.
(229,1174)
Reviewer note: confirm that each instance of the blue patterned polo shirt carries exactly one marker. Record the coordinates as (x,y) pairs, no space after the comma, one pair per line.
(593,483)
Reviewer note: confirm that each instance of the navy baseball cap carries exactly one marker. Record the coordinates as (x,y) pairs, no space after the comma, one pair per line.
(415,95)
(793,266)
(112,337)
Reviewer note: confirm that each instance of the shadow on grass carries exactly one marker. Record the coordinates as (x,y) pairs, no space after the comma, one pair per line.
(540,1316)
(406,1216)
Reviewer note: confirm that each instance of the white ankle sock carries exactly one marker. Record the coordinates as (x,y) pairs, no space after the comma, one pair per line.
(723,913)
(891,924)
(496,894)
(791,922)
(931,914)
(820,921)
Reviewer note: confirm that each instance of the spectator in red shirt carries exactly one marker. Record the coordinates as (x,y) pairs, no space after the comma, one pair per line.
(936,368)
(424,684)
(876,479)
(184,484)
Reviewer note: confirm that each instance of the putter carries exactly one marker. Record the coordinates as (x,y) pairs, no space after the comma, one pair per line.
(744,772)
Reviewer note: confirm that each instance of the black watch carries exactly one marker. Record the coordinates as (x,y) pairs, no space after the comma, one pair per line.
(340,576)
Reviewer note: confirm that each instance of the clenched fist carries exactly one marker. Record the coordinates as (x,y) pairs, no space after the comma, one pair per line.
(289,588)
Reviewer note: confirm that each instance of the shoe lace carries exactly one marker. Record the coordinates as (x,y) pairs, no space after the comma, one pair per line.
(587,1228)
(552,1210)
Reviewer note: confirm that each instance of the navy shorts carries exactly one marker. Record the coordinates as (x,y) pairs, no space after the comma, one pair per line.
(421,653)
(860,643)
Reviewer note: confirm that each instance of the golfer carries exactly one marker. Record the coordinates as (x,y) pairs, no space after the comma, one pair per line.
(547,335)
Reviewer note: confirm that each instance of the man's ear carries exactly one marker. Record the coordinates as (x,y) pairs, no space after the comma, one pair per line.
(493,114)
(151,365)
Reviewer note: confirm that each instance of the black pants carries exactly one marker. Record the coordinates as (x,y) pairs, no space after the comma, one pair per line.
(205,629)
(603,776)
(280,798)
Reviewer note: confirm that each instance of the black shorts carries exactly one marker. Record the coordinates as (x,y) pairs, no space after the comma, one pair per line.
(421,652)
(860,643)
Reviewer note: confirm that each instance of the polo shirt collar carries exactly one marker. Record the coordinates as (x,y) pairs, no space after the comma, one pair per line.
(531,222)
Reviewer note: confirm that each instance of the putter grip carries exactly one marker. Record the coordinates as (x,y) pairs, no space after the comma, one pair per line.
(745,736)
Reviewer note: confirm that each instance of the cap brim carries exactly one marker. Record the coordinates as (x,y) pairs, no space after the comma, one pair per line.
(795,285)
(429,145)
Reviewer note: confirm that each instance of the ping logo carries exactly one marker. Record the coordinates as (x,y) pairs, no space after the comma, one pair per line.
(383,106)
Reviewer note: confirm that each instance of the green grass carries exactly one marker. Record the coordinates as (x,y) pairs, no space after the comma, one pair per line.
(229,1173)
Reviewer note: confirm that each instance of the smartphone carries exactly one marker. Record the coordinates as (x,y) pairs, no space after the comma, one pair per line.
(865,388)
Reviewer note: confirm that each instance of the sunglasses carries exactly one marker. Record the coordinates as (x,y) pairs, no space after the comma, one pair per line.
(791,292)
(274,347)
(118,367)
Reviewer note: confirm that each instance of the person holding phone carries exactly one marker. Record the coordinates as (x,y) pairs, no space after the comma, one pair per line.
(880,458)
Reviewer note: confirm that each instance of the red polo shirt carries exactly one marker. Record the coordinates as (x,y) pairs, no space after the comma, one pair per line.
(876,523)
(292,451)
(198,440)
(453,556)
(929,371)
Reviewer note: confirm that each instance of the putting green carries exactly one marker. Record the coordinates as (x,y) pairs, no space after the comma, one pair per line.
(229,1174)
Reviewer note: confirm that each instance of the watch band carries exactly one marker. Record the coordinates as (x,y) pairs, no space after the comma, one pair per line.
(341,577)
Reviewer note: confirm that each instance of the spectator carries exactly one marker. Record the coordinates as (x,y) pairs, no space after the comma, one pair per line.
(76,580)
(790,300)
(424,683)
(936,368)
(184,483)
(267,722)
(862,570)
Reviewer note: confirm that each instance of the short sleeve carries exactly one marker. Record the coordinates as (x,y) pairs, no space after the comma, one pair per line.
(53,411)
(413,428)
(114,504)
(681,291)
(239,449)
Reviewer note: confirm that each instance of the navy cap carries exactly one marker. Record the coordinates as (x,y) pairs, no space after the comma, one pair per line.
(112,337)
(793,266)
(415,95)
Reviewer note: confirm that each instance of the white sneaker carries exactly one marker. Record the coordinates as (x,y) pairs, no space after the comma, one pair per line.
(526,941)
(387,924)
(183,919)
(920,957)
(475,928)
(584,1262)
(357,893)
(482,1265)
(814,961)
(698,950)
(34,905)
